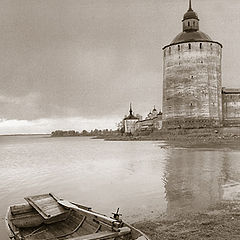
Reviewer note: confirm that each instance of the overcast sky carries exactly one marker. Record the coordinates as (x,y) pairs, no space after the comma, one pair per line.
(76,64)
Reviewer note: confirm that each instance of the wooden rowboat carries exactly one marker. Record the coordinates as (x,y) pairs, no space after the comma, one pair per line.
(47,217)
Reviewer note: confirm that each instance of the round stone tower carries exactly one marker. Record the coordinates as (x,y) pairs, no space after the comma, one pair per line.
(192,82)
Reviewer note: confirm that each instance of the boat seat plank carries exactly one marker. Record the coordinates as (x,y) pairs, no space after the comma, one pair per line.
(20,208)
(104,235)
(46,206)
(93,236)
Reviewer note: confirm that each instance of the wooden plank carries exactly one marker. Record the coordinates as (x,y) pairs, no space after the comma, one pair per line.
(105,235)
(38,208)
(20,208)
(87,213)
(28,220)
(46,205)
(101,235)
(78,205)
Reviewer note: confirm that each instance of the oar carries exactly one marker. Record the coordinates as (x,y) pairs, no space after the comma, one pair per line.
(84,212)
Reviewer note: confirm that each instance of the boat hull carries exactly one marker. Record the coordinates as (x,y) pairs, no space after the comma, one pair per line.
(74,222)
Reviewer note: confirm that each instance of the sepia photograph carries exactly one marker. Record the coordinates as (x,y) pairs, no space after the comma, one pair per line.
(119,119)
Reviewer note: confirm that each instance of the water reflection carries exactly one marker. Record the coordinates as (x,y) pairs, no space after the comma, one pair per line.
(231,176)
(144,179)
(194,178)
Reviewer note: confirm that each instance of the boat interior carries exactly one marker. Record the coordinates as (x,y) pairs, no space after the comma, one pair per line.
(42,217)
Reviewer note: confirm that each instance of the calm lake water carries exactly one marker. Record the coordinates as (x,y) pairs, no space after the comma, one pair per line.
(144,179)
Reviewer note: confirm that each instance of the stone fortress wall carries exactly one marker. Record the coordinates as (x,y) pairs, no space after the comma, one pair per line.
(231,107)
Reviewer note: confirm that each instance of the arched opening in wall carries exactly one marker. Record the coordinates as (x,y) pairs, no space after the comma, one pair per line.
(200,45)
(169,50)
(194,24)
(188,24)
(179,48)
(211,46)
(189,46)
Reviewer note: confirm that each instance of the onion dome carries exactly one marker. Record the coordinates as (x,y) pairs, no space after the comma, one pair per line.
(191,31)
(190,14)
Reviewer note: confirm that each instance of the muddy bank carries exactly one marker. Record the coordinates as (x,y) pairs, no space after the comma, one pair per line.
(221,221)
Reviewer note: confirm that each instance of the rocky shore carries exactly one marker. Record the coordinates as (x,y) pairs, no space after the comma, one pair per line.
(221,221)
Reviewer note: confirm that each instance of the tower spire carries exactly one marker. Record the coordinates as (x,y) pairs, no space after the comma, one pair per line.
(130,110)
(190,5)
(190,20)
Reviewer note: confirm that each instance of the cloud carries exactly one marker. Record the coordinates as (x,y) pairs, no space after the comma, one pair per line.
(48,125)
(28,99)
(90,58)
(33,106)
(21,107)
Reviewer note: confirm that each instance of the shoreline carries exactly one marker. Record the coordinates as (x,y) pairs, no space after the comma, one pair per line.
(220,221)
(195,138)
(184,137)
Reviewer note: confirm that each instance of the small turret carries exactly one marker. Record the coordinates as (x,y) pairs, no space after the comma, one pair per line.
(190,20)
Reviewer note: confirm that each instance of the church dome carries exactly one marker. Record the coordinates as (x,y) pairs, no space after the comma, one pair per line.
(191,37)
(190,14)
(191,31)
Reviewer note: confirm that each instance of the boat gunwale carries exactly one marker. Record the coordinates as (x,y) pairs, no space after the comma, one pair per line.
(137,230)
(10,228)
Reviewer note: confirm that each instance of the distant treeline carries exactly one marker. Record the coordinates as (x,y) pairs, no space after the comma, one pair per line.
(72,133)
(60,133)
